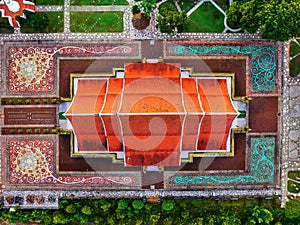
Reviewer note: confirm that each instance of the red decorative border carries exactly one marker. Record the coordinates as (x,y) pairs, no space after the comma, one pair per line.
(32,162)
(31,69)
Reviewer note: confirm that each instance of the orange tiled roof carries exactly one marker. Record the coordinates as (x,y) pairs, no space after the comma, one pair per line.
(152,114)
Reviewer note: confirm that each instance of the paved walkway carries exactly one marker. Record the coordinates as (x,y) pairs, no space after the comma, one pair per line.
(99,8)
(290,125)
(67,16)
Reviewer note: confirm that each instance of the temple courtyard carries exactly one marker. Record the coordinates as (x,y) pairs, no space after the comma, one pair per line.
(152,117)
(107,110)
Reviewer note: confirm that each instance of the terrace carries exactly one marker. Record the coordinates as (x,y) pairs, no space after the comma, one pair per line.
(89,104)
(200,142)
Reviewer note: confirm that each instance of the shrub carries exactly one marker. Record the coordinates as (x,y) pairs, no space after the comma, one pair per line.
(70,208)
(122,204)
(137,204)
(86,210)
(168,205)
(135,9)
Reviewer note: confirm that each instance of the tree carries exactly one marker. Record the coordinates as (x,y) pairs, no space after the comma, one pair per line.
(86,210)
(259,215)
(168,205)
(147,7)
(278,20)
(105,205)
(70,208)
(122,204)
(172,21)
(137,204)
(154,218)
(292,209)
(59,218)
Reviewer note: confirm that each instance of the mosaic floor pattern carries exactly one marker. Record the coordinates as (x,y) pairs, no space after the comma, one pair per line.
(32,69)
(262,65)
(261,168)
(32,161)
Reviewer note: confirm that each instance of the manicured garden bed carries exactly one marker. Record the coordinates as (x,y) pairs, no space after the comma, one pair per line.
(56,23)
(294,175)
(293,187)
(295,62)
(49,2)
(99,2)
(206,19)
(110,21)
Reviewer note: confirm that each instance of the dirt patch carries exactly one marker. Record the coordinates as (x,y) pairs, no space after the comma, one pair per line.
(139,21)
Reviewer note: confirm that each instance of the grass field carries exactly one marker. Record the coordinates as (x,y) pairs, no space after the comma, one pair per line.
(99,2)
(295,62)
(185,5)
(56,23)
(93,22)
(5,27)
(49,2)
(206,19)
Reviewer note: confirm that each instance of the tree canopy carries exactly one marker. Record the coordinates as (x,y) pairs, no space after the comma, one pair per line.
(172,21)
(278,19)
(292,209)
(167,212)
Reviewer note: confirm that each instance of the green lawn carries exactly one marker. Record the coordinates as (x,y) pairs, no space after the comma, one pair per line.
(295,63)
(93,22)
(5,26)
(294,174)
(169,5)
(206,19)
(294,48)
(185,5)
(56,23)
(293,187)
(99,2)
(49,2)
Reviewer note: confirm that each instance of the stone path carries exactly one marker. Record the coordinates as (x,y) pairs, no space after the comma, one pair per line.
(89,8)
(67,16)
(50,8)
(290,125)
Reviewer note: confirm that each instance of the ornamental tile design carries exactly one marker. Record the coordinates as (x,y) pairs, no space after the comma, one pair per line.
(262,65)
(32,69)
(261,169)
(32,162)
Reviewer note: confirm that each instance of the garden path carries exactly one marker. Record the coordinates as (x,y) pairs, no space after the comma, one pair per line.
(227,28)
(290,126)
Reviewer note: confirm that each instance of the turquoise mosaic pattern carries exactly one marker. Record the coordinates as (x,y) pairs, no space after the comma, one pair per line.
(262,66)
(261,167)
